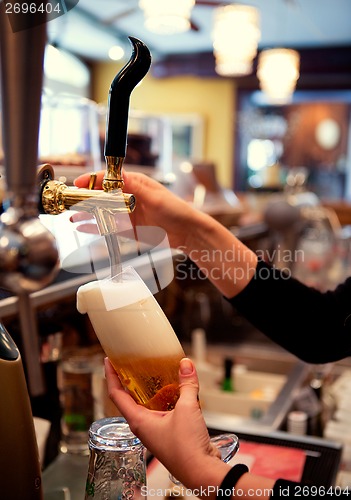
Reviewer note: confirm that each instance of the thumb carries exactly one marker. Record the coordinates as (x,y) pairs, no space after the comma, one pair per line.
(188,380)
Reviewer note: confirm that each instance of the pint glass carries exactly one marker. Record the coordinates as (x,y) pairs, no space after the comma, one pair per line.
(136,336)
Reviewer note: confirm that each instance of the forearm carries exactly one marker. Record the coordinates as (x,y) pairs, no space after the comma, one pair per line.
(227,262)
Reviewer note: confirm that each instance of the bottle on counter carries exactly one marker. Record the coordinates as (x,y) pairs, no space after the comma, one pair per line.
(227,383)
(117,464)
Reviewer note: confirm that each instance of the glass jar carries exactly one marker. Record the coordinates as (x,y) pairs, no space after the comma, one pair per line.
(117,461)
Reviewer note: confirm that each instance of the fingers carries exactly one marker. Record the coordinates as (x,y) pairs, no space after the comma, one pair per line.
(83,180)
(188,381)
(124,402)
(134,182)
(214,451)
(84,222)
(112,378)
(88,228)
(81,216)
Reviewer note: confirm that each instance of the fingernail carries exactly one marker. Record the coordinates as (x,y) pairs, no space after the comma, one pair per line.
(186,366)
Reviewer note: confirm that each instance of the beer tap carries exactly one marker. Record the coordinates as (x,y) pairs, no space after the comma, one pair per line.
(28,253)
(56,196)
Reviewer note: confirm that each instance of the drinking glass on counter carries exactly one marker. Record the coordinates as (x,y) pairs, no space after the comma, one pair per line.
(136,336)
(79,374)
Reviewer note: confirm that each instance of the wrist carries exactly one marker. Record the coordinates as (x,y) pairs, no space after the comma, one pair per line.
(224,259)
(197,227)
(206,477)
(228,486)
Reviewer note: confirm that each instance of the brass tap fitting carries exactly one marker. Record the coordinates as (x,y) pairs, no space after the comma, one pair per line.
(113,177)
(56,196)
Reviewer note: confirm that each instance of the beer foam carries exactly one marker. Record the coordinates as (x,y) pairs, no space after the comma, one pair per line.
(107,295)
(127,319)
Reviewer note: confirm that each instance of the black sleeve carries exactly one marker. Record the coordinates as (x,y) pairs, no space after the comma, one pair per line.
(315,326)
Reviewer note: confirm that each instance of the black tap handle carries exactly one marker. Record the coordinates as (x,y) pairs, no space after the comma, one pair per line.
(118,106)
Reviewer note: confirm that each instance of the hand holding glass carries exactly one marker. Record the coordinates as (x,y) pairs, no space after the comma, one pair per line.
(136,336)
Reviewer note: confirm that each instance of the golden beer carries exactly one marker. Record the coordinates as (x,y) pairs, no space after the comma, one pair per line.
(152,382)
(137,338)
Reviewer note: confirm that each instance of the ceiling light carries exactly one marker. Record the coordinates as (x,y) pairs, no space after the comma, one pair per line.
(167,17)
(235,38)
(278,71)
(116,52)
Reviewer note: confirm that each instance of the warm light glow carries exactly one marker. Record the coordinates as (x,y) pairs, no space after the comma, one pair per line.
(63,67)
(278,71)
(186,167)
(116,52)
(235,38)
(260,154)
(167,17)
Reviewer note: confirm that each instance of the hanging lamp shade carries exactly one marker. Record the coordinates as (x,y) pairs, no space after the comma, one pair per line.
(235,35)
(167,17)
(278,71)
